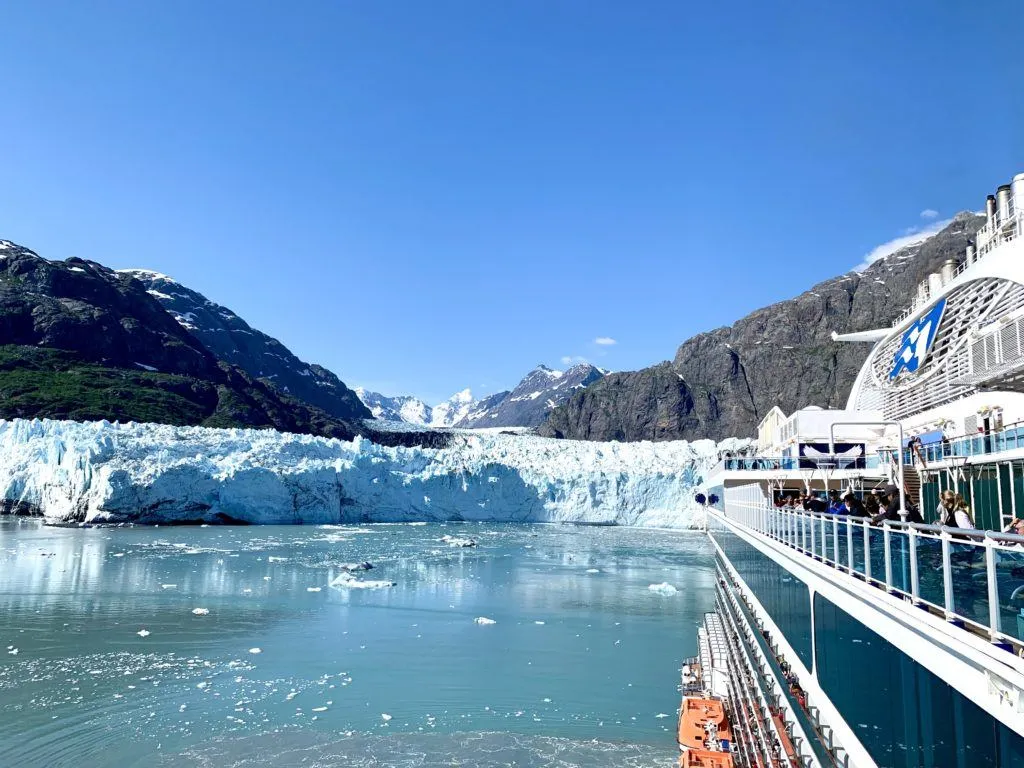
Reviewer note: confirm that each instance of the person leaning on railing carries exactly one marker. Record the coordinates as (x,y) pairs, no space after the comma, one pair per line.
(953,511)
(1016,526)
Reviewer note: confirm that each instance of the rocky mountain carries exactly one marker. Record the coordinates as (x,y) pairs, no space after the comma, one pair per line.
(81,341)
(541,390)
(721,383)
(234,341)
(403,408)
(525,406)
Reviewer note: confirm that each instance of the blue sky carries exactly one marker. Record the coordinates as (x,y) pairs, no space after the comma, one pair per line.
(425,196)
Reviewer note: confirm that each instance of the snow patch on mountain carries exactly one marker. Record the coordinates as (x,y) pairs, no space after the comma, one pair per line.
(102,472)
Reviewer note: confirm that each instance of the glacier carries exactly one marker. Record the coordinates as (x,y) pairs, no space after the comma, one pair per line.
(149,473)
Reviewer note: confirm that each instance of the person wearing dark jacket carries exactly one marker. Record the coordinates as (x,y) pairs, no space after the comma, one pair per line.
(854,507)
(892,508)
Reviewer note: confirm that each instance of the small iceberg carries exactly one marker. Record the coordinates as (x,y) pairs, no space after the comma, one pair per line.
(312,589)
(663,589)
(143,633)
(346,580)
(458,541)
(200,611)
(255,650)
(483,620)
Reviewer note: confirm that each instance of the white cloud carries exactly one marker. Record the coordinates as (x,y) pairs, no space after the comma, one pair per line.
(929,213)
(574,360)
(912,237)
(605,341)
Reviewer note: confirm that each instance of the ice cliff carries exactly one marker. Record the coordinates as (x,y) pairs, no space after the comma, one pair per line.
(102,472)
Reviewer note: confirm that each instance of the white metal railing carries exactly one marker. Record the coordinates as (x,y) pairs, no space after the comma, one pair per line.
(994,235)
(975,579)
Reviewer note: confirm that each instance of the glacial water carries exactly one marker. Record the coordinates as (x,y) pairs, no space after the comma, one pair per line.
(105,659)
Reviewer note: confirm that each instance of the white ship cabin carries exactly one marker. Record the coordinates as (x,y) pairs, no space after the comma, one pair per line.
(944,384)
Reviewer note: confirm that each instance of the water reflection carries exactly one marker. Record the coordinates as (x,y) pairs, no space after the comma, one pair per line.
(581,649)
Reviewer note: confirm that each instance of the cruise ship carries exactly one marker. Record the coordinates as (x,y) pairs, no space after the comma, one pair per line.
(842,639)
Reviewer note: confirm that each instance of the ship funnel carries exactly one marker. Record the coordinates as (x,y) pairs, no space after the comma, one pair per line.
(970,253)
(990,209)
(922,291)
(1017,189)
(934,283)
(948,268)
(1003,202)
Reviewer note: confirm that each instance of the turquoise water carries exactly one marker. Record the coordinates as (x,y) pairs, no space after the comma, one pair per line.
(579,668)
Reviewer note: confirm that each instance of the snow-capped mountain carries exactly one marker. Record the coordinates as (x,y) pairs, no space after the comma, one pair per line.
(453,410)
(412,410)
(541,390)
(232,339)
(406,408)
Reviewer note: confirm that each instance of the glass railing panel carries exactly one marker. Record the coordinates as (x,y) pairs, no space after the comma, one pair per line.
(1010,583)
(970,585)
(899,561)
(929,570)
(877,549)
(840,537)
(858,548)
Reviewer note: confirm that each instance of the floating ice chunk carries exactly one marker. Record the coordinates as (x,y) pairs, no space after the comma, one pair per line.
(593,570)
(319,709)
(484,620)
(143,633)
(385,716)
(275,559)
(539,623)
(200,611)
(168,586)
(346,580)
(660,715)
(255,650)
(663,589)
(312,589)
(458,541)
(13,651)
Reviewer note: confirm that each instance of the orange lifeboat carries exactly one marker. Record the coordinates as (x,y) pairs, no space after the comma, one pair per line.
(702,758)
(703,725)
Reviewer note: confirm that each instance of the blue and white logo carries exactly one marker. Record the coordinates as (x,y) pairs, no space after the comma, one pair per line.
(917,340)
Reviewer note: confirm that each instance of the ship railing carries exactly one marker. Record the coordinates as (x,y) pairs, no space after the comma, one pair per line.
(1009,438)
(793,463)
(972,578)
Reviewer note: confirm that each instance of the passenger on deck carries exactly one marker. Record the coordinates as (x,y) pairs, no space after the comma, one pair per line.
(871,505)
(892,508)
(813,503)
(835,503)
(1016,526)
(853,506)
(954,512)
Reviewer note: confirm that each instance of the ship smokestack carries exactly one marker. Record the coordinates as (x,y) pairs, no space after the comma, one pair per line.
(1017,187)
(934,283)
(948,268)
(1003,202)
(990,209)
(970,253)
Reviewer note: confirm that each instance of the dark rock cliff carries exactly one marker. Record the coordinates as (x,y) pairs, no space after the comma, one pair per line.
(727,379)
(234,341)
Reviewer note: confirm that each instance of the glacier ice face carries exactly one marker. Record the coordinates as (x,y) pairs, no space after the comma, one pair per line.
(149,473)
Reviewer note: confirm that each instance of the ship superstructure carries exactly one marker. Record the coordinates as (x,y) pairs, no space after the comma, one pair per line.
(852,641)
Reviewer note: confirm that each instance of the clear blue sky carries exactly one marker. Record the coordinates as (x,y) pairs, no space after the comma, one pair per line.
(425,196)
